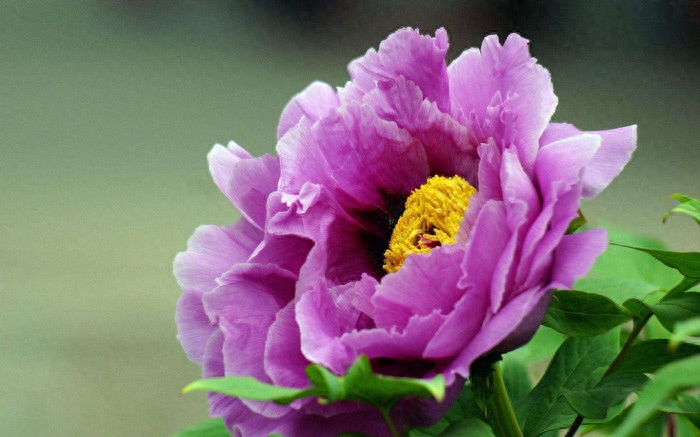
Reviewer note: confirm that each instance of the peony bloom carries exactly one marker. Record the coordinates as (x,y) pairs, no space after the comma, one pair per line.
(417,215)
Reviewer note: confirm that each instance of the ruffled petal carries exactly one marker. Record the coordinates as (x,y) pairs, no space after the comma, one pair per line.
(509,74)
(488,186)
(222,160)
(244,307)
(615,151)
(558,175)
(519,314)
(245,181)
(283,360)
(250,291)
(573,258)
(342,249)
(486,245)
(360,158)
(522,204)
(425,283)
(230,409)
(418,58)
(575,255)
(244,344)
(324,314)
(407,344)
(210,252)
(313,103)
(332,331)
(447,143)
(193,326)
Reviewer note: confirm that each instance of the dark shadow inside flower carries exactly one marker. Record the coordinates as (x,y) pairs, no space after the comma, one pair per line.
(376,232)
(413,368)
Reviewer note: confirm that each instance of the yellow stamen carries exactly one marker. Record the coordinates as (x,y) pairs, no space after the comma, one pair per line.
(432,217)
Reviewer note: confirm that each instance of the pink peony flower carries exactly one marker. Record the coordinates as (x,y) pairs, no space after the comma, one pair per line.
(417,215)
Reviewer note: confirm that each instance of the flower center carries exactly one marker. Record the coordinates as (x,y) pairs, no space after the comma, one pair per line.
(432,217)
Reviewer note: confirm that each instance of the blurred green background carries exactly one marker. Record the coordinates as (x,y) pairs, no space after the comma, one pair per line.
(108,109)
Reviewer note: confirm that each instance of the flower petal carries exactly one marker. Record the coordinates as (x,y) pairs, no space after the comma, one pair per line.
(558,173)
(313,103)
(222,160)
(245,181)
(509,72)
(340,251)
(250,291)
(193,326)
(425,283)
(615,151)
(524,310)
(522,205)
(230,409)
(360,158)
(447,143)
(244,344)
(573,258)
(575,255)
(418,58)
(210,252)
(407,344)
(244,307)
(485,247)
(324,314)
(283,360)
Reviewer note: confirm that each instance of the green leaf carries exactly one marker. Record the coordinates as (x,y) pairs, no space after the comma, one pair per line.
(575,366)
(618,290)
(639,309)
(650,355)
(595,402)
(462,408)
(581,314)
(678,308)
(687,206)
(380,390)
(516,379)
(471,427)
(655,428)
(688,425)
(685,331)
(668,381)
(620,263)
(247,387)
(359,384)
(685,405)
(208,428)
(687,263)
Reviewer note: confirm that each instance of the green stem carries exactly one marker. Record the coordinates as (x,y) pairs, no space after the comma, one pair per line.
(499,411)
(387,419)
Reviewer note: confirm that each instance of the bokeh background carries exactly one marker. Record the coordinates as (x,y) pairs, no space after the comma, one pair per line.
(108,109)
